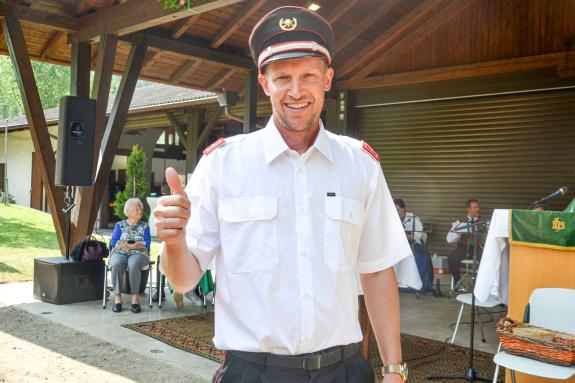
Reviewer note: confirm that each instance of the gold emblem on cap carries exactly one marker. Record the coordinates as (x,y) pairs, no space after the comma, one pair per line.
(288,24)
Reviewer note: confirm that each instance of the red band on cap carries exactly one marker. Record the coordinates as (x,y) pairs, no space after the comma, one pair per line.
(293,46)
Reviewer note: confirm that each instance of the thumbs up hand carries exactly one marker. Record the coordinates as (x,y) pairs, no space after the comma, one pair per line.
(172,212)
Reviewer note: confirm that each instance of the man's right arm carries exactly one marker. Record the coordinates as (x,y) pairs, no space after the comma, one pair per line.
(172,214)
(180,266)
(453,237)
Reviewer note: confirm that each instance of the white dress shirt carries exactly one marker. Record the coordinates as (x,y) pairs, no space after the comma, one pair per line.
(288,233)
(412,223)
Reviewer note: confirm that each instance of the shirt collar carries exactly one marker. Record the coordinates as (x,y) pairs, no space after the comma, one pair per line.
(274,144)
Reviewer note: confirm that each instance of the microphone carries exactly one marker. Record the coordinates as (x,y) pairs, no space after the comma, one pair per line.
(557,193)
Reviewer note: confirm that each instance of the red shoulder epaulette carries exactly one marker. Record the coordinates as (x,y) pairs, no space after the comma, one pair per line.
(370,150)
(213,146)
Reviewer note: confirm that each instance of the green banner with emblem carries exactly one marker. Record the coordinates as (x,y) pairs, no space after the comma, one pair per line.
(549,229)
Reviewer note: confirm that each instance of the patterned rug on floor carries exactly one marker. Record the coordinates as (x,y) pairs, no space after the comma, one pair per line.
(424,356)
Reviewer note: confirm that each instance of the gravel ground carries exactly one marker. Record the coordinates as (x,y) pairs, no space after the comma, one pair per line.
(34,349)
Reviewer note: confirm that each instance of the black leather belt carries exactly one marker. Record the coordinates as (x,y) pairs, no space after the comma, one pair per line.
(309,362)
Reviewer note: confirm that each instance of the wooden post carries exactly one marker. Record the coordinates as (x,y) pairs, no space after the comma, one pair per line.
(115,125)
(250,101)
(80,70)
(100,92)
(194,119)
(37,122)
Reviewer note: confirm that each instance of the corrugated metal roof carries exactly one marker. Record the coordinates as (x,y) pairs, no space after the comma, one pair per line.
(144,97)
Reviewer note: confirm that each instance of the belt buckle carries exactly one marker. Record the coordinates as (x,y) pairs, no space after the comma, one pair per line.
(311,363)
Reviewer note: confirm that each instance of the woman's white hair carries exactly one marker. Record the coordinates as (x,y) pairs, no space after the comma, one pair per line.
(131,202)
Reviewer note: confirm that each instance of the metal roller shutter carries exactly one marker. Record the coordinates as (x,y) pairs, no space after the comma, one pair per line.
(505,150)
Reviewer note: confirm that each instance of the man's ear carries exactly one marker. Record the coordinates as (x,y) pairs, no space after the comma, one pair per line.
(328,78)
(264,83)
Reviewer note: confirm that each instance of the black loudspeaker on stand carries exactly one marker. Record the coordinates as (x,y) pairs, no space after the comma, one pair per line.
(60,280)
(75,154)
(470,374)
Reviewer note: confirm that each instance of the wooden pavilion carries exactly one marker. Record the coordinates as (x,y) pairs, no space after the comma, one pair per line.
(402,66)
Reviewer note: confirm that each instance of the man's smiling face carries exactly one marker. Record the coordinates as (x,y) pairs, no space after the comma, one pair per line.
(296,88)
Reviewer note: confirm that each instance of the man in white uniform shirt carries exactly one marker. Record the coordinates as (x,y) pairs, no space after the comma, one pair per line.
(290,214)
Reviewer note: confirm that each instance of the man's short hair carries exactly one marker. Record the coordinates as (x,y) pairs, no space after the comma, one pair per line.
(399,202)
(470,201)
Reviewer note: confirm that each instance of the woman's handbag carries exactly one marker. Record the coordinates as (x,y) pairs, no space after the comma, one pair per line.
(90,249)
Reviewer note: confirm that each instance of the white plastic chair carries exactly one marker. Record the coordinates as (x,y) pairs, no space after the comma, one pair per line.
(552,308)
(465,299)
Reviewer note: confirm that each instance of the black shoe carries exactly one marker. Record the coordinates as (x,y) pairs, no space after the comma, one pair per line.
(136,308)
(117,307)
(156,297)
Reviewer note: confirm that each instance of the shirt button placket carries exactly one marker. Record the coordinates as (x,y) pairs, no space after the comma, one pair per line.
(303,226)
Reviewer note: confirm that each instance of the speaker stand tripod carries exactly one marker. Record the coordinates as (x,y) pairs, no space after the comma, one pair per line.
(68,211)
(470,374)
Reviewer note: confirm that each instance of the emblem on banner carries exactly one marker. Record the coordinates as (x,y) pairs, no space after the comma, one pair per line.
(558,225)
(288,24)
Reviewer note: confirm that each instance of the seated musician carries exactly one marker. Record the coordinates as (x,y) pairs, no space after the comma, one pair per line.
(417,238)
(464,240)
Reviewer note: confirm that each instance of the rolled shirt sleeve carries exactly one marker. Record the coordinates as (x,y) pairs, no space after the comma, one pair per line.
(383,242)
(453,237)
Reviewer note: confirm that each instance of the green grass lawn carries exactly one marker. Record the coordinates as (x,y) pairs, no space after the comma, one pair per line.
(26,234)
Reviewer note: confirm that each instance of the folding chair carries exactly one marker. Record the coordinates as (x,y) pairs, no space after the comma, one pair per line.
(552,308)
(146,280)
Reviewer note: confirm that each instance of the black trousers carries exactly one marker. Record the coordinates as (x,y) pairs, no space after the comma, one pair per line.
(355,369)
(459,254)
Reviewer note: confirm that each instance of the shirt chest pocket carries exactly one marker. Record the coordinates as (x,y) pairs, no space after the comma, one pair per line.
(249,233)
(343,224)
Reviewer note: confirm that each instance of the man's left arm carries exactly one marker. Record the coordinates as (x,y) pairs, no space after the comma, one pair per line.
(382,302)
(383,244)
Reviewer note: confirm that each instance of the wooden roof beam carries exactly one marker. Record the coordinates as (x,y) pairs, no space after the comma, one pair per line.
(136,15)
(183,25)
(488,68)
(190,50)
(340,10)
(185,70)
(388,37)
(51,45)
(219,78)
(416,34)
(21,12)
(365,24)
(87,6)
(234,24)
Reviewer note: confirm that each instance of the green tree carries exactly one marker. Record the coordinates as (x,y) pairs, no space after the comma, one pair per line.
(137,185)
(53,82)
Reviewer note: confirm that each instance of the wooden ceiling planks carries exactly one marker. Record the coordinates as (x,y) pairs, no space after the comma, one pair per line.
(499,31)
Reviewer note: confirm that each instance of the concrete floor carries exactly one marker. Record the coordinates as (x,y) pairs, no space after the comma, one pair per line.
(426,316)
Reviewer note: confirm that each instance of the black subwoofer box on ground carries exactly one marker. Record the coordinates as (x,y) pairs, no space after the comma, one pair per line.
(60,281)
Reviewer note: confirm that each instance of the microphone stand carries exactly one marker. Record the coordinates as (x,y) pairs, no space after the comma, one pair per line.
(470,374)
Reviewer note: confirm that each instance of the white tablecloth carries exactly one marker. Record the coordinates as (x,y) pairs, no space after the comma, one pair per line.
(493,275)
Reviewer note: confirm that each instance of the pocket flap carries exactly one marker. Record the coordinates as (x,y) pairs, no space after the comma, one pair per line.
(344,209)
(243,209)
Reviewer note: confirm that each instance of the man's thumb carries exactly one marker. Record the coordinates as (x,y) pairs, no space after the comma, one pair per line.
(174,183)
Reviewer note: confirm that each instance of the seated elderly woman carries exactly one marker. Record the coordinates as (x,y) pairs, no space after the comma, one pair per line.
(130,243)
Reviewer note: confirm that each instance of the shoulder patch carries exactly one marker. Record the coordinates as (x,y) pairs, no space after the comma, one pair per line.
(366,148)
(214,146)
